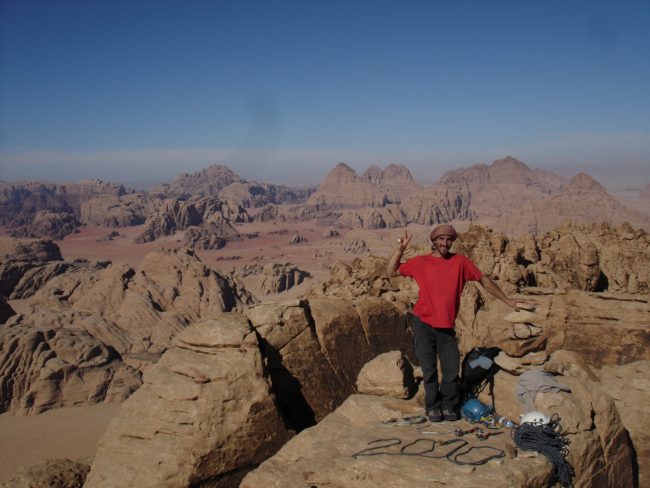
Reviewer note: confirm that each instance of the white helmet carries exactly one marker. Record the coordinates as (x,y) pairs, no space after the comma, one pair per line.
(534,418)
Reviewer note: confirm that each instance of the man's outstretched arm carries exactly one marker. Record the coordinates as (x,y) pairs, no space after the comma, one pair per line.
(395,259)
(496,292)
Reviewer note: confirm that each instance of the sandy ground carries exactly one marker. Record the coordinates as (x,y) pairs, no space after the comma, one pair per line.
(271,245)
(65,432)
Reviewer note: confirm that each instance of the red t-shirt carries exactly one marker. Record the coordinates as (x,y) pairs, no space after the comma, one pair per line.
(441,283)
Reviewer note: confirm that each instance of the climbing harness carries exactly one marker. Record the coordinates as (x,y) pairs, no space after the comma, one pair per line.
(548,441)
(453,455)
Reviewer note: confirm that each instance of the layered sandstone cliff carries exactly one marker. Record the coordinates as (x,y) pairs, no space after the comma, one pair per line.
(89,329)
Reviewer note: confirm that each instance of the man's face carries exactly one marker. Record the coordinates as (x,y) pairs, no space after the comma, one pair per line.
(443,244)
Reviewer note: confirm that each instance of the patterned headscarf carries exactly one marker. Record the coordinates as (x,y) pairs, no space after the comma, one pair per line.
(443,230)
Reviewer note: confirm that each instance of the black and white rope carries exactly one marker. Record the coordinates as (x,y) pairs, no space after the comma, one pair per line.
(548,441)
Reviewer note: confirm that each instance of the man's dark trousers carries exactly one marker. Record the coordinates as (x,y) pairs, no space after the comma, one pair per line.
(431,343)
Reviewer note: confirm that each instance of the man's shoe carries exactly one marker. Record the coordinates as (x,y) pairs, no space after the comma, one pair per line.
(434,415)
(449,414)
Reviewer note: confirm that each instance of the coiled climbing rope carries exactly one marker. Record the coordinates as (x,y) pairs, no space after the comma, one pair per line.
(548,441)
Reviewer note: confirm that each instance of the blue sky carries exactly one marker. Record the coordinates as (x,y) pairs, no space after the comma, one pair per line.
(283,90)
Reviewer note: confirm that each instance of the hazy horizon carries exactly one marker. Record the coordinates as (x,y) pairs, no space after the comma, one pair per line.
(282,91)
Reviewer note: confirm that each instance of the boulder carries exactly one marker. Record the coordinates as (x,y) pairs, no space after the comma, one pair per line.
(316,349)
(87,333)
(332,454)
(385,326)
(205,414)
(306,385)
(596,257)
(629,386)
(340,334)
(600,449)
(389,374)
(277,277)
(355,246)
(42,368)
(297,239)
(53,473)
(562,320)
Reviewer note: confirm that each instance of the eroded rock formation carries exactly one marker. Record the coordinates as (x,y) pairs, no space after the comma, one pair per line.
(629,386)
(46,223)
(95,327)
(215,416)
(43,367)
(95,324)
(116,210)
(57,206)
(343,187)
(220,181)
(210,213)
(506,195)
(53,473)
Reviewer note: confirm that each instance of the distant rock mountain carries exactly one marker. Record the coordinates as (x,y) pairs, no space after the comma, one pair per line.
(550,178)
(343,187)
(507,195)
(496,194)
(398,182)
(220,181)
(41,209)
(206,182)
(19,201)
(585,200)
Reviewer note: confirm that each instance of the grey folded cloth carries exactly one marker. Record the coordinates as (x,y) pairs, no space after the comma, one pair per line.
(531,382)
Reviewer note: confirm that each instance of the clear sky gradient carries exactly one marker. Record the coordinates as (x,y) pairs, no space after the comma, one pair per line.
(283,90)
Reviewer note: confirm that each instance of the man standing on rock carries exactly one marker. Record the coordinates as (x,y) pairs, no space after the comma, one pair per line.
(441,277)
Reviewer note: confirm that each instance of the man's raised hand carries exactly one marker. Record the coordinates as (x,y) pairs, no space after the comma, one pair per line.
(404,240)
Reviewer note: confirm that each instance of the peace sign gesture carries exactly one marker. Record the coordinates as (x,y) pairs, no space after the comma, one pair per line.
(404,240)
